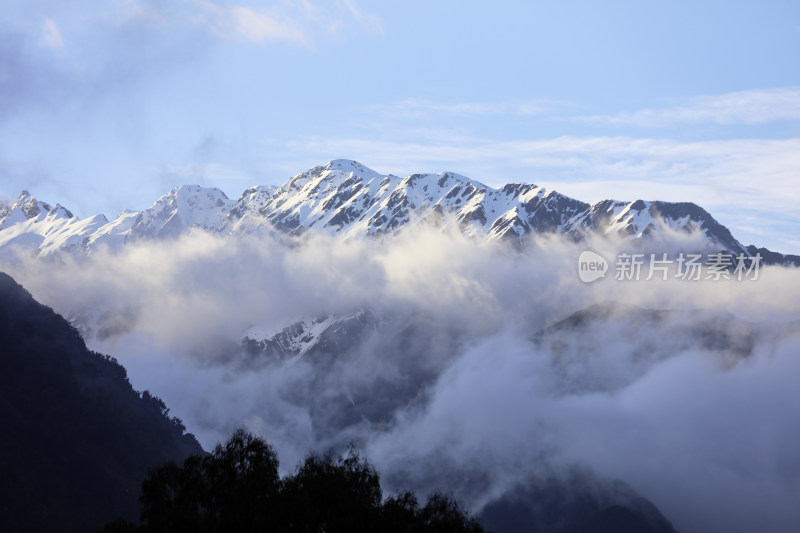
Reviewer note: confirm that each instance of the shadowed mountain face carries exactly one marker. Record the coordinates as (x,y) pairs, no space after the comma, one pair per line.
(399,356)
(365,366)
(576,502)
(641,339)
(77,440)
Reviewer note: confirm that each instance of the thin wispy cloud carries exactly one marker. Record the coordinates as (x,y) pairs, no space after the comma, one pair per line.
(298,22)
(758,106)
(752,107)
(367,21)
(51,35)
(417,108)
(143,11)
(249,25)
(202,173)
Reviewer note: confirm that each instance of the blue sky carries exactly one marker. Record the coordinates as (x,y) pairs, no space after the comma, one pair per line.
(108,104)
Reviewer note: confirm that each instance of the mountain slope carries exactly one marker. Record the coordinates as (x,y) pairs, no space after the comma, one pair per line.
(574,502)
(77,440)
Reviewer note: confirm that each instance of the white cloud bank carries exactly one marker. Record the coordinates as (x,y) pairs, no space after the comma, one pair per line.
(695,411)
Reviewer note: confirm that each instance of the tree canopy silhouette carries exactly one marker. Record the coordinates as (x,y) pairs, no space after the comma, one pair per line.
(237,488)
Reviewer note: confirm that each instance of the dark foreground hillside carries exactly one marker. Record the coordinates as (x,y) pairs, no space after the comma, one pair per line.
(77,440)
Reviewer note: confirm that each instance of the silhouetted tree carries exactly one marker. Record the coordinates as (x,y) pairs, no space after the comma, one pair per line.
(400,513)
(237,488)
(443,514)
(333,494)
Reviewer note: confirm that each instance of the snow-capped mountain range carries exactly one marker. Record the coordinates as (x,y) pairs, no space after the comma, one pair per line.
(344,198)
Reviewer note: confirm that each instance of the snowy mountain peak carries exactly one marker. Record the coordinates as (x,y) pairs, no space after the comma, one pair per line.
(194,193)
(30,206)
(642,219)
(183,208)
(252,200)
(330,175)
(58,211)
(248,213)
(348,166)
(26,207)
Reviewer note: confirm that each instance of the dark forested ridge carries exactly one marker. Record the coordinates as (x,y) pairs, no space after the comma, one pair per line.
(77,440)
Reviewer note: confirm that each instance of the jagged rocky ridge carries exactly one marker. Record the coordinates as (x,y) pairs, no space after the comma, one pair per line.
(346,199)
